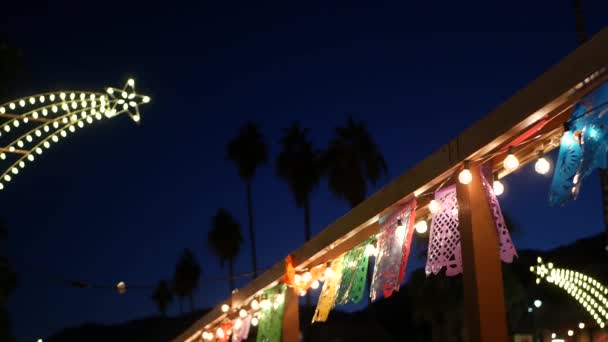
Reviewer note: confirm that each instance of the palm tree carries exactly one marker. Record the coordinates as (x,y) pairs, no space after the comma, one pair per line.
(351,160)
(225,240)
(298,165)
(162,296)
(186,278)
(248,151)
(11,66)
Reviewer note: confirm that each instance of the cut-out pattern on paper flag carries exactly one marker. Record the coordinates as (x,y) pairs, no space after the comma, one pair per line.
(393,241)
(583,148)
(271,316)
(507,250)
(327,298)
(444,241)
(354,275)
(241,333)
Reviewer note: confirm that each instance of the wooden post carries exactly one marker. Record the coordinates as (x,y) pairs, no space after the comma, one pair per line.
(486,319)
(291,317)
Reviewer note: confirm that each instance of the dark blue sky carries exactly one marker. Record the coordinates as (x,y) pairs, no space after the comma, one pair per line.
(120,202)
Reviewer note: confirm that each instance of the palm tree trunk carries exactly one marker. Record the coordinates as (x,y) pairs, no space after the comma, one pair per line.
(307,236)
(231,274)
(581,35)
(307,230)
(254,259)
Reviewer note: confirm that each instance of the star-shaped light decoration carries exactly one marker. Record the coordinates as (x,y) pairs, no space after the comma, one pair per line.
(31,125)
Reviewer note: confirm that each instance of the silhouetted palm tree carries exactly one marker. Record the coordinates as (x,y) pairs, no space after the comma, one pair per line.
(351,160)
(11,67)
(186,278)
(8,282)
(298,165)
(225,240)
(162,296)
(248,151)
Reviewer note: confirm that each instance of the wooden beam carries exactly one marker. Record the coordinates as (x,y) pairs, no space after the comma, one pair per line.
(484,303)
(546,97)
(291,317)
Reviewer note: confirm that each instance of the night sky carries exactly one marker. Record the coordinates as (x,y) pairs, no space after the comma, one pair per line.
(119,201)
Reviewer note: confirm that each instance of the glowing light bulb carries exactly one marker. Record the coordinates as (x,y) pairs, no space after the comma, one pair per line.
(11,149)
(315,285)
(255,305)
(46,128)
(52,97)
(553,335)
(20,143)
(132,103)
(511,162)
(15,170)
(80,124)
(265,304)
(62,96)
(225,307)
(54,109)
(2,156)
(219,333)
(538,303)
(124,95)
(132,96)
(90,119)
(46,144)
(125,106)
(542,166)
(255,321)
(30,157)
(434,207)
(136,118)
(7,128)
(26,120)
(1,186)
(465,176)
(110,91)
(7,178)
(38,133)
(41,99)
(22,103)
(146,99)
(33,100)
(243,313)
(421,227)
(21,164)
(237,323)
(328,273)
(45,112)
(72,96)
(11,106)
(498,188)
(2,110)
(307,277)
(370,250)
(581,325)
(74,105)
(55,124)
(131,82)
(63,133)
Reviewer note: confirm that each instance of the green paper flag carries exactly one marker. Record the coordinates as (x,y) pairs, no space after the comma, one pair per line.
(354,273)
(271,315)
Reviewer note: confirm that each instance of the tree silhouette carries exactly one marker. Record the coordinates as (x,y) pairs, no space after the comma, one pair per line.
(186,278)
(225,240)
(8,282)
(162,296)
(298,164)
(248,151)
(351,160)
(11,67)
